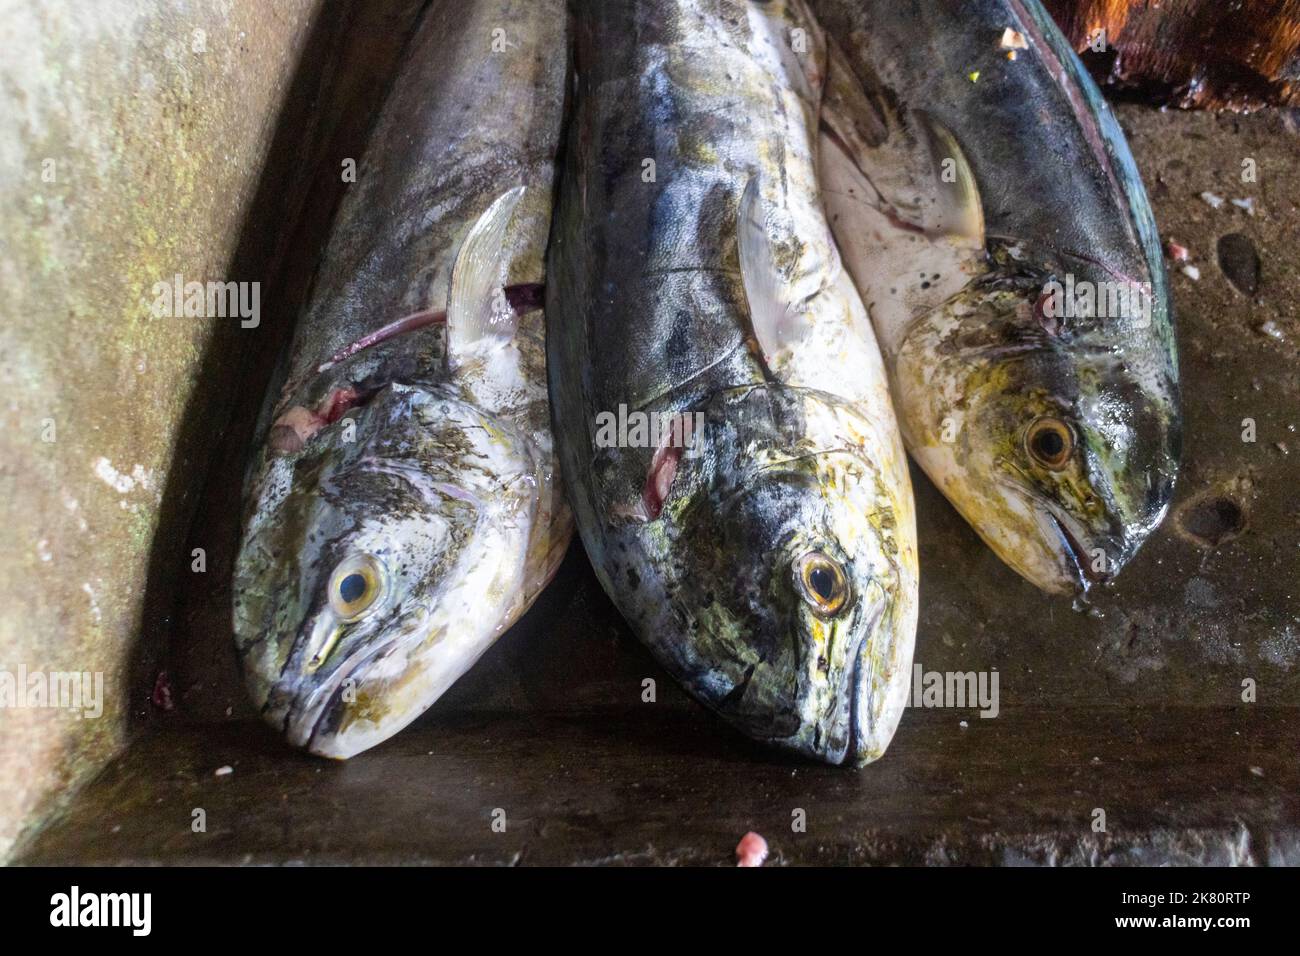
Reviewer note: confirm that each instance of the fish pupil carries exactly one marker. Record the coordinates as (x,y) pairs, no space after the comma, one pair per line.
(352,588)
(1050,444)
(823,582)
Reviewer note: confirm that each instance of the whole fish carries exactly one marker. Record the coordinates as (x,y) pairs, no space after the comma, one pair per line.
(405,508)
(990,212)
(720,407)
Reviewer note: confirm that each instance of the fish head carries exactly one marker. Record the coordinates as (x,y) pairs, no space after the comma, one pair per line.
(782,574)
(377,564)
(1059,448)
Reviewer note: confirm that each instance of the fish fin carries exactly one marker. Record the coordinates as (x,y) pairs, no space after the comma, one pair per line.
(778,323)
(849,111)
(960,215)
(902,201)
(477,308)
(907,165)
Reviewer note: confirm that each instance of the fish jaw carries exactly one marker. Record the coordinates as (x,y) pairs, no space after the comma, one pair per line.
(442,508)
(713,584)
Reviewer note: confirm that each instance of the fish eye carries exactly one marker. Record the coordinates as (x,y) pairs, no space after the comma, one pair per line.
(822,582)
(355,586)
(1050,442)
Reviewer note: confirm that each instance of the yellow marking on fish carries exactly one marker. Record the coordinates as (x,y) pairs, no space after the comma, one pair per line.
(322,655)
(498,436)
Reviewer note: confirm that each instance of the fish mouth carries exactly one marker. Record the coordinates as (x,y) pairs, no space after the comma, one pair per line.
(860,742)
(1071,570)
(309,712)
(856,743)
(869,738)
(1084,574)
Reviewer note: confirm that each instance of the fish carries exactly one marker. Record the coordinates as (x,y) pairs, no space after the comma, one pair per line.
(403,505)
(986,203)
(751,513)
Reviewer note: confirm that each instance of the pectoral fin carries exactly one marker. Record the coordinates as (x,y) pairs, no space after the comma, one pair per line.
(778,323)
(902,200)
(478,311)
(906,165)
(958,214)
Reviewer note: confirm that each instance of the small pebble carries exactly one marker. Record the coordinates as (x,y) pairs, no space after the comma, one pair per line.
(224,771)
(1192,273)
(1257,771)
(1272,330)
(1247,204)
(1211,200)
(751,850)
(1176,251)
(963,724)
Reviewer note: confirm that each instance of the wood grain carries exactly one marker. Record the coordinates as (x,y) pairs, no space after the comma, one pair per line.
(1203,54)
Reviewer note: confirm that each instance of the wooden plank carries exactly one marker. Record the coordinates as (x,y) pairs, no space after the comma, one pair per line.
(1204,54)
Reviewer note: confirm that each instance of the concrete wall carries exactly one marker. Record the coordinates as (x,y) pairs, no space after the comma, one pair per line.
(132,134)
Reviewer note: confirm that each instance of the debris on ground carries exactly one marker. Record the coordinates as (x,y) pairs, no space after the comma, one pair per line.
(751,850)
(162,692)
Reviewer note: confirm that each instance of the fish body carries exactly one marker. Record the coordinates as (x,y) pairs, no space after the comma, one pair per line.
(404,508)
(769,560)
(989,209)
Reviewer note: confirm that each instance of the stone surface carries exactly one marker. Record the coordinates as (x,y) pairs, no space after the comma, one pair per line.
(1132,704)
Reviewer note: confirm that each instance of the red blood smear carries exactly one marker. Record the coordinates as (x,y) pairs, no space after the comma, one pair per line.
(1051,324)
(659,481)
(336,403)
